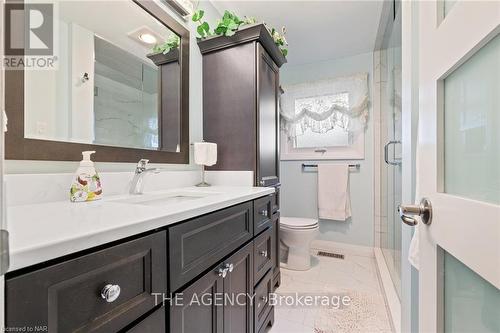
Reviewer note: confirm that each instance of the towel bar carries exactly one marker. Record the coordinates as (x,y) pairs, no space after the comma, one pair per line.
(355,166)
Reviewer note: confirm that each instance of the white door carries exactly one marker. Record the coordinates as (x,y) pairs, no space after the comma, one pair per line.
(459,165)
(3,246)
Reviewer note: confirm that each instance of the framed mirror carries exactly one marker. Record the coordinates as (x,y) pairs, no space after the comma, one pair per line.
(120,86)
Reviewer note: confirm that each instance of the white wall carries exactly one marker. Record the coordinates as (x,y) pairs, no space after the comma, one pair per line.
(195,113)
(299,190)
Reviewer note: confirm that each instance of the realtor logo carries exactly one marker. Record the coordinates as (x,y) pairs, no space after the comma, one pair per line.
(29,36)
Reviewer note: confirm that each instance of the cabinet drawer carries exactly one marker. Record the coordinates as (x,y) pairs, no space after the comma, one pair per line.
(261,305)
(263,253)
(262,214)
(154,323)
(67,297)
(200,243)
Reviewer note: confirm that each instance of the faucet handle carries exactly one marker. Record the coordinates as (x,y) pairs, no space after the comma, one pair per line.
(142,164)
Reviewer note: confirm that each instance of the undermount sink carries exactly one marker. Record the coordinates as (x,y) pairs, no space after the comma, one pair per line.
(165,199)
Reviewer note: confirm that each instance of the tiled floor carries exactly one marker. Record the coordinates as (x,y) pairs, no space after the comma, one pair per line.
(355,277)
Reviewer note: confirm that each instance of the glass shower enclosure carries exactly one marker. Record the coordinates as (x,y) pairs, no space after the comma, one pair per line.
(390,144)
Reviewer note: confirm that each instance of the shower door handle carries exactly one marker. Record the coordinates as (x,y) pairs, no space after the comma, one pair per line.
(386,153)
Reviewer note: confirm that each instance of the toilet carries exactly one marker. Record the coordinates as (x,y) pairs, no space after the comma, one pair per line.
(297,233)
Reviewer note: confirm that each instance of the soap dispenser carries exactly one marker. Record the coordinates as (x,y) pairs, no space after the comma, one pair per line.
(86,184)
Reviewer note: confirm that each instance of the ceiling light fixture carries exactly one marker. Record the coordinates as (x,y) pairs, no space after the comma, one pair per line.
(148,38)
(182,7)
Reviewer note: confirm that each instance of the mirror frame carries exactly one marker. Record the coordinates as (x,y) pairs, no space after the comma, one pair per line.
(17,147)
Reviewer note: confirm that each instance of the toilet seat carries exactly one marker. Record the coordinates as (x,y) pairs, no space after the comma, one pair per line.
(298,223)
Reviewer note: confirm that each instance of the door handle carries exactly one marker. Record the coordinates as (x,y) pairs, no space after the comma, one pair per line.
(424,210)
(386,153)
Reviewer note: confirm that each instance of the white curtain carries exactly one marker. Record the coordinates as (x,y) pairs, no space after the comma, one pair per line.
(323,105)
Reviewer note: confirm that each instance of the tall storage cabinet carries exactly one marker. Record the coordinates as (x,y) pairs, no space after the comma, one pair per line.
(240,102)
(240,113)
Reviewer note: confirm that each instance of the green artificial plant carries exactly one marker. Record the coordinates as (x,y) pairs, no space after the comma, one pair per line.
(171,43)
(229,24)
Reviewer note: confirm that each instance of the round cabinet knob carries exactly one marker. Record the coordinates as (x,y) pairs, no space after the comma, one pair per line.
(110,292)
(263,253)
(229,267)
(263,212)
(222,272)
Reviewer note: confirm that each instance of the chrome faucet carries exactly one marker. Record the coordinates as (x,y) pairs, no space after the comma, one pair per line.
(137,185)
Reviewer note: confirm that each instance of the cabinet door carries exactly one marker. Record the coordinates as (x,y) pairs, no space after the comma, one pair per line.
(267,113)
(238,284)
(196,309)
(154,323)
(229,106)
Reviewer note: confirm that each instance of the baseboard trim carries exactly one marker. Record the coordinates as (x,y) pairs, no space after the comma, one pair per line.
(343,248)
(390,293)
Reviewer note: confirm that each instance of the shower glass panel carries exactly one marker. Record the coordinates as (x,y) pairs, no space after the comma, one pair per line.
(125,98)
(391,127)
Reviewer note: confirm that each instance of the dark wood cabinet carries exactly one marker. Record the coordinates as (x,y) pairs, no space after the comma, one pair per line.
(189,314)
(220,301)
(241,113)
(67,297)
(238,316)
(240,102)
(197,244)
(267,171)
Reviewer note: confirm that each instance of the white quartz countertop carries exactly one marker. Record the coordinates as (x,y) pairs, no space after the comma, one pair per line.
(40,232)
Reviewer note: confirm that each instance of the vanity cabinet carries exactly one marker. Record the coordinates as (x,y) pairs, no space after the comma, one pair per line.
(217,270)
(240,101)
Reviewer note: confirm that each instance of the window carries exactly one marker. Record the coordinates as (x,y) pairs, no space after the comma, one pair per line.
(324,119)
(324,133)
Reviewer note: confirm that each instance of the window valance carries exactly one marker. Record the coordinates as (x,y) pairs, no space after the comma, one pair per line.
(323,105)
